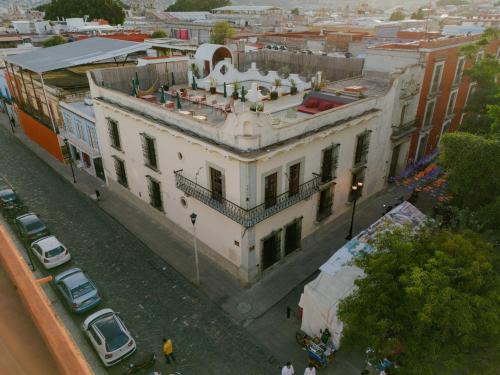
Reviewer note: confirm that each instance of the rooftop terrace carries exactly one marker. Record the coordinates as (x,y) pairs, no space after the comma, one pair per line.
(252,121)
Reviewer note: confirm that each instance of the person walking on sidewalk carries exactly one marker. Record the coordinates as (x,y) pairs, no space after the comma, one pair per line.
(287,369)
(168,350)
(310,370)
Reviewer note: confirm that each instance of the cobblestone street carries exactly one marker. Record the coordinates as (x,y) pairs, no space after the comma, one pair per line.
(154,300)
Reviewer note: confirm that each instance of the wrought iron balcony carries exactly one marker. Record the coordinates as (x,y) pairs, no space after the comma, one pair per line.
(246,217)
(401,131)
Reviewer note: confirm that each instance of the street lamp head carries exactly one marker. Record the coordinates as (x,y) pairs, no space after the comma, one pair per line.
(354,188)
(360,184)
(193,218)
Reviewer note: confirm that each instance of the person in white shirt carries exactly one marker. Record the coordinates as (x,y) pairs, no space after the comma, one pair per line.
(287,369)
(310,370)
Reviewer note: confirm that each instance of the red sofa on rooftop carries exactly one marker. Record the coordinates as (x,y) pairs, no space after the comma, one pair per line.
(313,105)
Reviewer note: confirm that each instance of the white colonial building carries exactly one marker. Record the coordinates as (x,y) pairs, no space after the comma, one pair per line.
(260,176)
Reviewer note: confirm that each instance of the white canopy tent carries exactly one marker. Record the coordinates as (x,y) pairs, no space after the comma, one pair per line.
(322,296)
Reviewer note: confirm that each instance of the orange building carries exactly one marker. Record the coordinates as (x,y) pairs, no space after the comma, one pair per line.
(39,80)
(445,89)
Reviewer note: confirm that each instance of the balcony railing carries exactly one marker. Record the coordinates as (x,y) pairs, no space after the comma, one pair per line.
(401,131)
(246,217)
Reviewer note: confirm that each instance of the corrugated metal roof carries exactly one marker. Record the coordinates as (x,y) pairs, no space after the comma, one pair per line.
(73,54)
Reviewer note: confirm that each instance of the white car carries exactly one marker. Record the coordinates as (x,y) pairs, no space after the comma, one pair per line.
(109,336)
(50,252)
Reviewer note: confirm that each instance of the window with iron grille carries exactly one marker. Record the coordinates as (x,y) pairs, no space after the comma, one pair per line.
(294,179)
(329,163)
(121,173)
(436,77)
(460,70)
(149,151)
(154,188)
(362,146)
(114,134)
(271,190)
(429,112)
(216,184)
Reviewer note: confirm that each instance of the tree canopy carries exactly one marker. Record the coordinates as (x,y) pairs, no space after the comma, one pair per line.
(472,163)
(196,5)
(481,112)
(54,41)
(418,14)
(434,295)
(158,34)
(110,10)
(221,31)
(397,16)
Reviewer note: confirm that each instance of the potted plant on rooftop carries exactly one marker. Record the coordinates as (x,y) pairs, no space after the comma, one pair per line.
(293,87)
(277,85)
(236,87)
(213,85)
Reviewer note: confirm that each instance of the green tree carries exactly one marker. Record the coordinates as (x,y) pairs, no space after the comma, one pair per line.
(435,295)
(418,15)
(472,163)
(54,41)
(196,5)
(295,11)
(158,34)
(397,16)
(110,10)
(221,31)
(485,95)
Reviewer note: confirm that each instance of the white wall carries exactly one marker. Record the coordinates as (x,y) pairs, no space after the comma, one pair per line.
(244,175)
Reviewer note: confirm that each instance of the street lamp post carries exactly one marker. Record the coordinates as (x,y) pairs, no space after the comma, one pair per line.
(355,190)
(193,221)
(70,160)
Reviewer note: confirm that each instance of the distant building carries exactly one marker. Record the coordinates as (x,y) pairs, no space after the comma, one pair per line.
(251,15)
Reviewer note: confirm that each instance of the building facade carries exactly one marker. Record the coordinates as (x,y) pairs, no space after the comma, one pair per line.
(80,132)
(445,89)
(260,182)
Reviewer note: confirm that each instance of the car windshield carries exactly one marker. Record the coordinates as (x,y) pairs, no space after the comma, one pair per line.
(111,330)
(34,225)
(54,252)
(81,290)
(7,195)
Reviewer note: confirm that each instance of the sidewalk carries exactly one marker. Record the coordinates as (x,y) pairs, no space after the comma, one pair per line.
(175,246)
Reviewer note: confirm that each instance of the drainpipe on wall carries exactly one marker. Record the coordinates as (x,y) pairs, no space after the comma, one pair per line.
(48,105)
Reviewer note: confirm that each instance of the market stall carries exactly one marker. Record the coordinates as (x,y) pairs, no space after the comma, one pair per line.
(321,297)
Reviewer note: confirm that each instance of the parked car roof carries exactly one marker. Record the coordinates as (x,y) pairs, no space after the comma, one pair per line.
(112,332)
(6,192)
(48,243)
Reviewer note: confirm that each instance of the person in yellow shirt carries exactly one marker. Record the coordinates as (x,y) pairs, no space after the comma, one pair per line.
(168,350)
